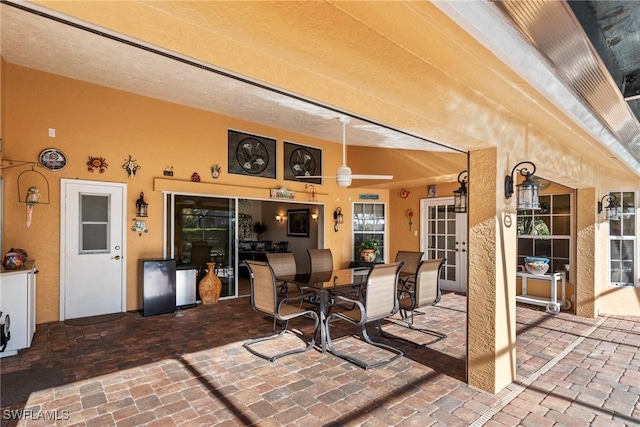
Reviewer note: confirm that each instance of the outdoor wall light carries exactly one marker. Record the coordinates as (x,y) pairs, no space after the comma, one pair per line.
(337,218)
(612,210)
(141,206)
(527,189)
(460,195)
(279,218)
(314,216)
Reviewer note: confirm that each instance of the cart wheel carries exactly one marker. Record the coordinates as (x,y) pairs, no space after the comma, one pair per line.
(567,304)
(553,308)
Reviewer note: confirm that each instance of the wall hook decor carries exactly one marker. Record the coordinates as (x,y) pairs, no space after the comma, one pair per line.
(410,216)
(215,171)
(131,166)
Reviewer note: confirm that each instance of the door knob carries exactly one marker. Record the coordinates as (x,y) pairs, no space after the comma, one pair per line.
(117,257)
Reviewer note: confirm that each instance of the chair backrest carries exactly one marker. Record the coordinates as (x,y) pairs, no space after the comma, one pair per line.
(321,260)
(427,289)
(381,297)
(200,254)
(282,264)
(411,259)
(264,297)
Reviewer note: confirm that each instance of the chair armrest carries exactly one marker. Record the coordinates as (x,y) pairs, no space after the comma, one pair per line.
(351,301)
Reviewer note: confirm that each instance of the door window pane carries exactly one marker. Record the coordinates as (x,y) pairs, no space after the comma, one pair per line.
(94,224)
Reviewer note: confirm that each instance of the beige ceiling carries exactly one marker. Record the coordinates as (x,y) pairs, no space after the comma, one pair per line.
(454,90)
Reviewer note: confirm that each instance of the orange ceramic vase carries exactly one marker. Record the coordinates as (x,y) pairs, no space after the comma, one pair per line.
(210,286)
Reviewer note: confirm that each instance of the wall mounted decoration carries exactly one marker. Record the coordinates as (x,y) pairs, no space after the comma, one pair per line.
(432,191)
(53,159)
(195,177)
(131,166)
(312,191)
(245,222)
(300,160)
(139,226)
(298,223)
(168,171)
(33,197)
(99,163)
(369,196)
(251,155)
(410,216)
(282,193)
(404,193)
(215,171)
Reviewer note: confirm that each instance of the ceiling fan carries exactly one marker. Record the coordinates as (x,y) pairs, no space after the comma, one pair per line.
(344,176)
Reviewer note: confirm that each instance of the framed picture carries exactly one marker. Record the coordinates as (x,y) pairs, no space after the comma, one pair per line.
(432,191)
(251,155)
(301,160)
(298,223)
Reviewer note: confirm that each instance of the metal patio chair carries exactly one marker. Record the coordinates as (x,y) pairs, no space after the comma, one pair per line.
(425,292)
(380,301)
(411,259)
(264,299)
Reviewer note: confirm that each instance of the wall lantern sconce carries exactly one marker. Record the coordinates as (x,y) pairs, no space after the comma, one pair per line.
(527,190)
(460,195)
(141,206)
(314,216)
(612,210)
(337,218)
(279,218)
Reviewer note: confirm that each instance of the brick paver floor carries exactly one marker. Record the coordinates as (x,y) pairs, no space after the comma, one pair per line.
(189,368)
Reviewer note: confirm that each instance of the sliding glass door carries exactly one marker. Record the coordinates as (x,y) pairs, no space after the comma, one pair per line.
(202,230)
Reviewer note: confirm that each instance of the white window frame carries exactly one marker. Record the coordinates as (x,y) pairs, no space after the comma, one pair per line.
(634,276)
(384,254)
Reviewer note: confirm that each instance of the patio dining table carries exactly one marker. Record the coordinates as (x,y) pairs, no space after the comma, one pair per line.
(326,284)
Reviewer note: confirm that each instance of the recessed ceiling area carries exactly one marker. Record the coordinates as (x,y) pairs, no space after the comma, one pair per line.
(102,59)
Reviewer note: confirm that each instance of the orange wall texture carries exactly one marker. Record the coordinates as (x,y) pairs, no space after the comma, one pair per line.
(92,120)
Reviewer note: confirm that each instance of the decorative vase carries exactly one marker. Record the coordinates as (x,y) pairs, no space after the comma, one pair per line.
(368,255)
(210,286)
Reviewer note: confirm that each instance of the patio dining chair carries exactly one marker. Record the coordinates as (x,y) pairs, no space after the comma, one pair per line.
(320,260)
(411,259)
(380,301)
(283,264)
(426,292)
(264,299)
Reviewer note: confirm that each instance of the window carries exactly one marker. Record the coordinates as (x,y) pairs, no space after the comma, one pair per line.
(547,232)
(622,242)
(369,222)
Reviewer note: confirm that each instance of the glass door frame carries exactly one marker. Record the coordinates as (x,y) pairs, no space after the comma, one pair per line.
(455,244)
(169,230)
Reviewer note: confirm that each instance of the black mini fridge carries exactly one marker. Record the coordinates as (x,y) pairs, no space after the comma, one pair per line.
(158,277)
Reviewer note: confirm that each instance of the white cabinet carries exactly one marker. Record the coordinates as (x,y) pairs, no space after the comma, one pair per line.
(18,300)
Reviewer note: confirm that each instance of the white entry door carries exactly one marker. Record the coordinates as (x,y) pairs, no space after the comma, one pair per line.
(444,235)
(92,248)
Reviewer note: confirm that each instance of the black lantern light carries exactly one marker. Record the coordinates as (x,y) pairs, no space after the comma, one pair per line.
(337,218)
(527,190)
(612,210)
(141,206)
(460,195)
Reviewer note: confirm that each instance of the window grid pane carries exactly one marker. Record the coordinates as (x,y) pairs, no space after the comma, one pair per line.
(622,242)
(369,222)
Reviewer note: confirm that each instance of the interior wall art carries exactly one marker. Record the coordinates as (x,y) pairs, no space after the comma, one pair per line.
(251,155)
(301,160)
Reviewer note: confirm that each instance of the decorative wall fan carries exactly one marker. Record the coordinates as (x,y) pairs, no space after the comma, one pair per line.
(344,176)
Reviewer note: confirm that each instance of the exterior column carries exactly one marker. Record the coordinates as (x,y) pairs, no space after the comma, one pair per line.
(585,268)
(491,332)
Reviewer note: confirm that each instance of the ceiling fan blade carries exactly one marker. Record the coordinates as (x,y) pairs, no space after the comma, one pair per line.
(357,176)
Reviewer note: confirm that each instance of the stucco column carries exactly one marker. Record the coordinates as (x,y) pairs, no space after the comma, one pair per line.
(492,268)
(585,268)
